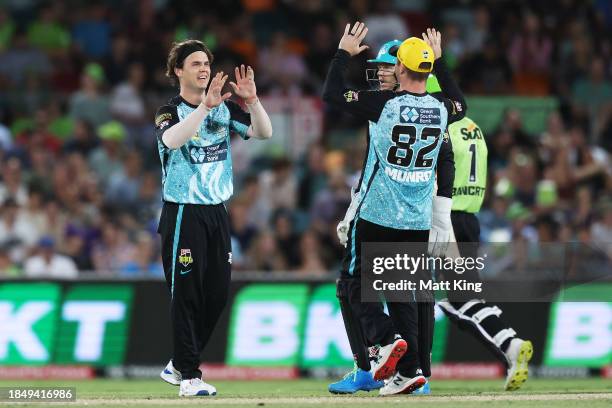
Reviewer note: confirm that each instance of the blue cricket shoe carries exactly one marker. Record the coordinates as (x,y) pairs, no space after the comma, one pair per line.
(424,390)
(356,380)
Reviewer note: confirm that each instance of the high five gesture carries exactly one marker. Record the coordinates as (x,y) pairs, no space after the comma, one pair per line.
(244,86)
(213,97)
(352,38)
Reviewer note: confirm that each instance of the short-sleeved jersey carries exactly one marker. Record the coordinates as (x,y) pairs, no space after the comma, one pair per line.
(200,171)
(471,152)
(399,178)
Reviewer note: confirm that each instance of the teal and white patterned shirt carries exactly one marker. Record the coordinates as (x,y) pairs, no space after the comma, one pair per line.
(200,171)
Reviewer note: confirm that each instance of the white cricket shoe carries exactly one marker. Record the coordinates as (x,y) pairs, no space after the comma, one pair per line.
(402,385)
(171,375)
(195,387)
(518,355)
(388,356)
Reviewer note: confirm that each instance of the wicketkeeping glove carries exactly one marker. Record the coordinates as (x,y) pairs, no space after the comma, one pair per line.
(342,231)
(441,226)
(343,226)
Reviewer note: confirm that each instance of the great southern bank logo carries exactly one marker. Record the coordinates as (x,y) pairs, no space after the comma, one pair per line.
(408,114)
(420,115)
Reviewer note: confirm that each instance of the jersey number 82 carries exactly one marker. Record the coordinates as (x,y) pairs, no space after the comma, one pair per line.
(406,146)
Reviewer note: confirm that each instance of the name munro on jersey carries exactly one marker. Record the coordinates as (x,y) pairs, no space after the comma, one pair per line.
(403,176)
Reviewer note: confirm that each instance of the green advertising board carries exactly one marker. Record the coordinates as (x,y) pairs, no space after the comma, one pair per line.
(28,318)
(285,325)
(580,328)
(89,325)
(266,325)
(94,324)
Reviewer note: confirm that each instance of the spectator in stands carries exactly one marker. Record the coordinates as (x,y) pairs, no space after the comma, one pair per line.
(113,251)
(144,262)
(486,72)
(385,24)
(48,33)
(313,178)
(75,247)
(17,232)
(8,268)
(83,139)
(105,160)
(47,263)
(279,186)
(322,49)
(286,239)
(240,227)
(530,55)
(591,95)
(311,262)
(128,106)
(478,29)
(282,69)
(123,185)
(21,59)
(92,33)
(7,29)
(117,63)
(264,255)
(601,229)
(89,102)
(12,184)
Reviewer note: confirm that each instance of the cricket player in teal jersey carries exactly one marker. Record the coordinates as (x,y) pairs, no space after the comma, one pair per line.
(193,137)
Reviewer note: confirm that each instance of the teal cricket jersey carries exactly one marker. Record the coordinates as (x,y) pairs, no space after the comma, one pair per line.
(200,171)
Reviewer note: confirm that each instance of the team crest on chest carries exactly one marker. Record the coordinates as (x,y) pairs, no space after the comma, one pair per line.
(185,258)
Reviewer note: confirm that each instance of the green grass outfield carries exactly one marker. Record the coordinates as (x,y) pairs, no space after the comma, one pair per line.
(313,393)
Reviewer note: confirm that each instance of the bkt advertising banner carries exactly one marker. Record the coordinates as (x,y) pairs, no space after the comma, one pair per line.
(266,324)
(43,323)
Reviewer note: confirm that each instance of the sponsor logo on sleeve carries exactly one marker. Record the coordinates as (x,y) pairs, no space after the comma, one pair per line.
(351,96)
(164,117)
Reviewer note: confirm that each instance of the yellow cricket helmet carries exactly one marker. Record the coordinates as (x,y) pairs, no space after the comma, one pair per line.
(415,54)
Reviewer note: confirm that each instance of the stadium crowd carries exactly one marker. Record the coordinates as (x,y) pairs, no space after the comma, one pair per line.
(80,82)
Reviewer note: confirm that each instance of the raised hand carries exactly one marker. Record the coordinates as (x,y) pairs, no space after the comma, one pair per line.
(434,39)
(244,86)
(213,97)
(352,38)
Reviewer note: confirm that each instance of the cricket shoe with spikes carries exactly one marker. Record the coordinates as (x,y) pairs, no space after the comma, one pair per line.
(195,387)
(356,380)
(518,355)
(403,385)
(171,375)
(424,390)
(388,356)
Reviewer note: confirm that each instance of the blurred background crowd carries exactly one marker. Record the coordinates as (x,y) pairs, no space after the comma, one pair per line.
(80,83)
